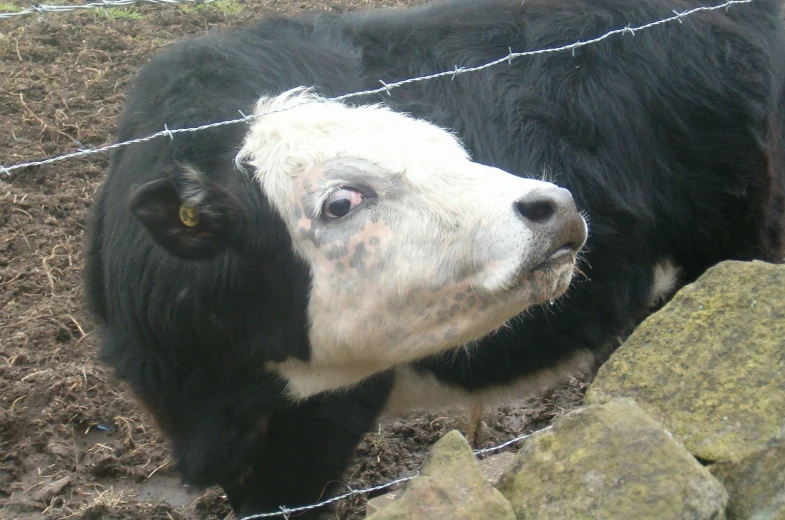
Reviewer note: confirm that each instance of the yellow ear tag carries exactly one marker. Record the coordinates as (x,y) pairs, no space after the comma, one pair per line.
(189,216)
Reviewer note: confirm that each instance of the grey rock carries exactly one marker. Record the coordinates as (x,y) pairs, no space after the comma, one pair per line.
(376,504)
(610,461)
(756,484)
(710,365)
(492,467)
(495,466)
(450,485)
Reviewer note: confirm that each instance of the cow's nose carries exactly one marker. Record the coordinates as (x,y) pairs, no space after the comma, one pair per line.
(552,213)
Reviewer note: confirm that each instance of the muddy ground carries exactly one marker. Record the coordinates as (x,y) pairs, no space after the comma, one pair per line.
(72,443)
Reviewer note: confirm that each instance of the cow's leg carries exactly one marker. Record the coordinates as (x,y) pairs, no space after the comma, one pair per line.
(306,448)
(474,428)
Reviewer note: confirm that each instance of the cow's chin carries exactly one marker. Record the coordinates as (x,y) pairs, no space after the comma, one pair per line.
(545,282)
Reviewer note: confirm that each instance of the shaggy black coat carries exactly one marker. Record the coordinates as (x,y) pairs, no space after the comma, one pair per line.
(670,140)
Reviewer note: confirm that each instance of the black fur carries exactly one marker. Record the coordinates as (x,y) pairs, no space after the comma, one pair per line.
(671,140)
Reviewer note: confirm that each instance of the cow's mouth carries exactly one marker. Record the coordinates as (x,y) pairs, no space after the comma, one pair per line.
(556,269)
(561,256)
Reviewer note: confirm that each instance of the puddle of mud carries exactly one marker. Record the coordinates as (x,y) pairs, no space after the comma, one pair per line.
(158,489)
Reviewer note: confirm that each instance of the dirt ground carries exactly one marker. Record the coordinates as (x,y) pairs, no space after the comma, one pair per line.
(72,443)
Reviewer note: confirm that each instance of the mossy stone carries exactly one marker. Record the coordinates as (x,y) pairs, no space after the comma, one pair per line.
(710,365)
(610,461)
(756,484)
(451,485)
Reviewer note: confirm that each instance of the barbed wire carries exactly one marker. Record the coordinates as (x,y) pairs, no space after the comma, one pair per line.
(104,4)
(286,511)
(385,88)
(511,441)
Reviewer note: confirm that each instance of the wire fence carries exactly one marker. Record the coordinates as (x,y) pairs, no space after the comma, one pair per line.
(385,88)
(285,511)
(104,4)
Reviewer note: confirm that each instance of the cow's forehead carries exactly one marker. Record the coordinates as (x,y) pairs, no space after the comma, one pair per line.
(298,131)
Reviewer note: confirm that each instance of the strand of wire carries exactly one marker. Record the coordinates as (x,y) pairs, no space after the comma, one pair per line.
(385,88)
(104,4)
(285,511)
(511,441)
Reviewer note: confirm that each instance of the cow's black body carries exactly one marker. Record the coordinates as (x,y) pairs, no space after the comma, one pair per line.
(671,140)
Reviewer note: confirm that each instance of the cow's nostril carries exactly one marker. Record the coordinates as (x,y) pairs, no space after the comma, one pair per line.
(538,209)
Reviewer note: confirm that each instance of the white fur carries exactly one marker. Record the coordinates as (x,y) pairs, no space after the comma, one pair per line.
(666,277)
(192,190)
(437,259)
(423,390)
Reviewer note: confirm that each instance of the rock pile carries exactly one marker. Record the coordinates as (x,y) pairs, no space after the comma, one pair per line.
(686,420)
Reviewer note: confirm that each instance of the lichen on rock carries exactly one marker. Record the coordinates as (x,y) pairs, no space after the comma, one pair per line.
(450,486)
(711,364)
(756,484)
(610,461)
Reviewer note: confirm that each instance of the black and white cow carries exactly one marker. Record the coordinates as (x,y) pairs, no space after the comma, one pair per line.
(266,290)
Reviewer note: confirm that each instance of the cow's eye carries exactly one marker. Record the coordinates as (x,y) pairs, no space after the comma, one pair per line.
(340,202)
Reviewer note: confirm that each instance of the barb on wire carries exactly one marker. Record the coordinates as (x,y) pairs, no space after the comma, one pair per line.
(286,511)
(385,88)
(103,4)
(572,46)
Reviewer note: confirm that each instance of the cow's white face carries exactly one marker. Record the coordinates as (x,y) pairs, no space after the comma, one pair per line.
(413,248)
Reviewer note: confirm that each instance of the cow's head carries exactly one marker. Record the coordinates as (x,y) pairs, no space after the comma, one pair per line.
(412,247)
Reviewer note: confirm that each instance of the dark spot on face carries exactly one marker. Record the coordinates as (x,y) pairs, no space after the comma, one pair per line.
(454,309)
(464,272)
(442,316)
(336,252)
(310,234)
(304,204)
(380,264)
(459,297)
(471,300)
(374,241)
(359,257)
(340,267)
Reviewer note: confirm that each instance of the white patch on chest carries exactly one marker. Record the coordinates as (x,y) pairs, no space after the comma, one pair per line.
(305,379)
(415,389)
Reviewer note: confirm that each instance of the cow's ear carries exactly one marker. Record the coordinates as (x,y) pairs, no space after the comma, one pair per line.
(189,215)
